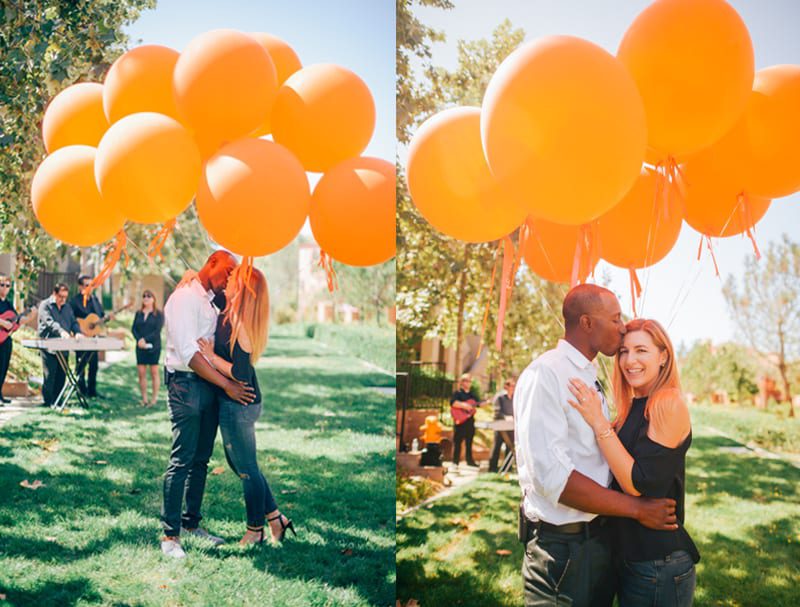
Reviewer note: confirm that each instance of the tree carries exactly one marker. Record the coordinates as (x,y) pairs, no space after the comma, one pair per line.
(766,306)
(729,367)
(370,289)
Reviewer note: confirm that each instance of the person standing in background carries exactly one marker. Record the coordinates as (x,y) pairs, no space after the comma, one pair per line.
(87,358)
(146,330)
(7,346)
(503,409)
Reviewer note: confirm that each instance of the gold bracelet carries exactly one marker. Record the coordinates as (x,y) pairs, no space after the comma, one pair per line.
(605,434)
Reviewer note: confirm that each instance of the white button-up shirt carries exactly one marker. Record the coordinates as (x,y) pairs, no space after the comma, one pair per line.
(552,439)
(188,316)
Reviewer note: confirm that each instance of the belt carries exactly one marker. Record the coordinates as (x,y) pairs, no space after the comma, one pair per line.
(185,374)
(590,529)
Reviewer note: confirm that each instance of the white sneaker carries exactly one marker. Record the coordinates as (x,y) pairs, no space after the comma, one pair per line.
(172,548)
(203,534)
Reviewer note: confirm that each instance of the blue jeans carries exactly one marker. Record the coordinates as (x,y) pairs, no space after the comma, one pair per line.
(238,426)
(194,414)
(664,583)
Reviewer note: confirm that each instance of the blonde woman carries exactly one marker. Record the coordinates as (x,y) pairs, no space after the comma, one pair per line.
(646,450)
(240,338)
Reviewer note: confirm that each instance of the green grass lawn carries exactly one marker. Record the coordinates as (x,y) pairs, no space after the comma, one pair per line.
(743,512)
(89,536)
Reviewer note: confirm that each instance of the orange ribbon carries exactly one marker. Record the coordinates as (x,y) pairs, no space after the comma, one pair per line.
(489,299)
(505,288)
(636,289)
(326,263)
(160,238)
(707,239)
(587,253)
(746,216)
(114,250)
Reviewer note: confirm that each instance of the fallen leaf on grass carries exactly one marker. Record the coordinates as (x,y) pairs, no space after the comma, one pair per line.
(218,470)
(101,462)
(288,491)
(163,586)
(34,485)
(503,552)
(346,551)
(48,444)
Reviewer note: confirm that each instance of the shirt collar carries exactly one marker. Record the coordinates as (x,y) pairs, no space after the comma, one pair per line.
(574,355)
(198,286)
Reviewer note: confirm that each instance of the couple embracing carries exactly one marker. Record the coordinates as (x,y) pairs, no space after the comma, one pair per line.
(603,502)
(211,383)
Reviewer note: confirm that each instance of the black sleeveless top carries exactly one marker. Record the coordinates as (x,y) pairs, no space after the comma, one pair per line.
(658,471)
(242,368)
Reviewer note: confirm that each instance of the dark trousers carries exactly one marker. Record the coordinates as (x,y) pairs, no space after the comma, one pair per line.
(87,360)
(499,443)
(668,582)
(567,569)
(5,359)
(237,423)
(194,413)
(54,377)
(463,433)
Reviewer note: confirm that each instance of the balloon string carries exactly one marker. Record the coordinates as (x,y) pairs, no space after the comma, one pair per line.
(247,270)
(587,253)
(116,250)
(326,263)
(489,299)
(506,277)
(522,239)
(707,239)
(636,289)
(746,215)
(158,241)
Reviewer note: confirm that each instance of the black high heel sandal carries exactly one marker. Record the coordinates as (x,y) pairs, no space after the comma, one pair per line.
(284,526)
(254,529)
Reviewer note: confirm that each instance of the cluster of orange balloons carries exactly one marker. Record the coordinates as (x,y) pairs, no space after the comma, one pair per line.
(234,121)
(605,156)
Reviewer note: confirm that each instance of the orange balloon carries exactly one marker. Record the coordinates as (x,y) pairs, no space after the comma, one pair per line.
(141,81)
(75,117)
(550,249)
(148,166)
(773,126)
(693,63)
(253,197)
(286,63)
(353,211)
(563,123)
(324,114)
(225,84)
(640,230)
(450,182)
(66,201)
(717,201)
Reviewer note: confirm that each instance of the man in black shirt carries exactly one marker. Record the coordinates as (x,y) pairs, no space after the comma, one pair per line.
(56,319)
(88,358)
(8,344)
(503,409)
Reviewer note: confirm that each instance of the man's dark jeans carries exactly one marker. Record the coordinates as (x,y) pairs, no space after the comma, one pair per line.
(54,377)
(87,360)
(194,413)
(568,569)
(499,443)
(237,425)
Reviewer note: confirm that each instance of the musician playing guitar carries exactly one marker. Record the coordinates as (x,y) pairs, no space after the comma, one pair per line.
(463,406)
(8,325)
(56,319)
(88,359)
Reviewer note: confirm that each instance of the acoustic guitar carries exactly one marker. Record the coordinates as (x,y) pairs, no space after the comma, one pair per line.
(92,325)
(460,415)
(15,319)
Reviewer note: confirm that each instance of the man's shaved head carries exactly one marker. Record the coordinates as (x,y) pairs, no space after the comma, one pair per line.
(582,299)
(214,275)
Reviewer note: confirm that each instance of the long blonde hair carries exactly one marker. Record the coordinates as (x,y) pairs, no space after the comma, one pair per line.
(667,383)
(247,308)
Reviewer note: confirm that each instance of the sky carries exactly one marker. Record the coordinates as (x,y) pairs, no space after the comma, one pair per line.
(682,293)
(357,34)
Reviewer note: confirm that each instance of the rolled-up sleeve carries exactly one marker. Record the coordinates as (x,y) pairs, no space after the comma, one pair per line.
(183,329)
(543,431)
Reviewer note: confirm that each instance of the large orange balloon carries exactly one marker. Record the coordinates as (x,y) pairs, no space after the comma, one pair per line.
(563,123)
(148,166)
(693,63)
(550,250)
(450,182)
(225,84)
(324,114)
(773,126)
(717,200)
(66,201)
(640,230)
(75,117)
(352,212)
(141,81)
(286,63)
(254,197)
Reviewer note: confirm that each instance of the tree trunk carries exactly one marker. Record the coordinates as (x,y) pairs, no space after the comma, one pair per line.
(462,299)
(782,368)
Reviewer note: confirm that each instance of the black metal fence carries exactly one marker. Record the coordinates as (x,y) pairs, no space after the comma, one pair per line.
(423,385)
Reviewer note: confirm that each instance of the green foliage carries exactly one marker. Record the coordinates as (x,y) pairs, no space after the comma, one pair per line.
(375,345)
(45,46)
(411,491)
(370,289)
(730,367)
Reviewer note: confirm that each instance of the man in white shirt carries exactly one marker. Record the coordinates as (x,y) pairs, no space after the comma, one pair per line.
(189,315)
(562,473)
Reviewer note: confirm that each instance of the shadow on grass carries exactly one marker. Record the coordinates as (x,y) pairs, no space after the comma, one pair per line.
(340,494)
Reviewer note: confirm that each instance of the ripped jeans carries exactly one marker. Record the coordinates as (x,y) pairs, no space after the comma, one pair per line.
(237,424)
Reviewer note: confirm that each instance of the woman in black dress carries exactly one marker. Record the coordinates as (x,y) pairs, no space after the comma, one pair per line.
(240,338)
(646,450)
(146,330)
